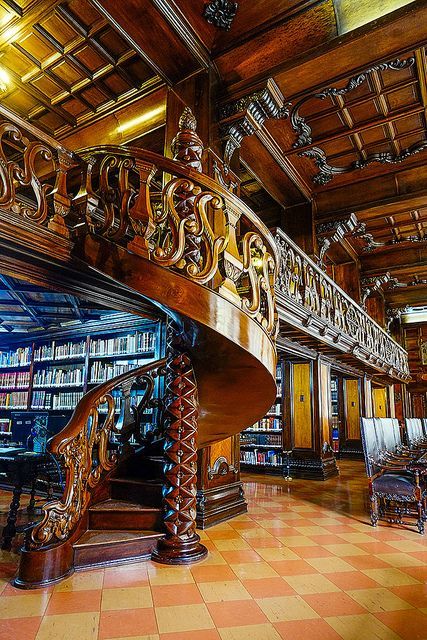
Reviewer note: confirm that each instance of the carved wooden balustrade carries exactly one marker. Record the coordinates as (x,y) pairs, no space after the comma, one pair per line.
(309,299)
(83,447)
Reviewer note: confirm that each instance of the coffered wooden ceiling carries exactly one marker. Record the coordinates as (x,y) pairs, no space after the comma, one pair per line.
(67,64)
(25,308)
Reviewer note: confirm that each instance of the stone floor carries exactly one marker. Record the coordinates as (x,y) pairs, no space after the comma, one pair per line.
(304,563)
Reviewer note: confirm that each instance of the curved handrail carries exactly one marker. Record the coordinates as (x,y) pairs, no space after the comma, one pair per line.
(182,220)
(76,444)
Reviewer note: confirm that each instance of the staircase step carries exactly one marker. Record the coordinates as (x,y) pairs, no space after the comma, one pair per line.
(102,547)
(143,492)
(143,466)
(117,514)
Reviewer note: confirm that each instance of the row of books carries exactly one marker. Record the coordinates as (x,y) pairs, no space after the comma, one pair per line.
(5,425)
(53,351)
(57,377)
(267,424)
(63,400)
(19,358)
(101,371)
(14,400)
(261,438)
(139,342)
(272,458)
(15,380)
(275,409)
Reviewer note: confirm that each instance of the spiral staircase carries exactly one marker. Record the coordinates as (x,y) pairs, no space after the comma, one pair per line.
(140,231)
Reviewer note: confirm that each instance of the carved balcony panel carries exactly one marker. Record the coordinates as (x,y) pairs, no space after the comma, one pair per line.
(33,173)
(180,219)
(307,298)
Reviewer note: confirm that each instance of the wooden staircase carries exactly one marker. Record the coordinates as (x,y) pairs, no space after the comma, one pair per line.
(128,226)
(126,526)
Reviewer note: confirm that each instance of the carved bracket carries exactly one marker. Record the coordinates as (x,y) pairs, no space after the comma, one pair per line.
(245,116)
(394,314)
(329,233)
(373,284)
(220,13)
(361,232)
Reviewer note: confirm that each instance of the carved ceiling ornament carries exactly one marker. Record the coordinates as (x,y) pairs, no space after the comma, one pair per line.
(394,314)
(246,116)
(304,137)
(220,13)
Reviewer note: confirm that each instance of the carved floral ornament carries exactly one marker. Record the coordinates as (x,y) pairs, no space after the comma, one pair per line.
(220,13)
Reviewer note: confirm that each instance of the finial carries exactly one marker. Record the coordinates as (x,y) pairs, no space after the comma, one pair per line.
(187,146)
(187,121)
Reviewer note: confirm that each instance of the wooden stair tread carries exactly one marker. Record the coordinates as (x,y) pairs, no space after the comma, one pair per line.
(109,536)
(121,505)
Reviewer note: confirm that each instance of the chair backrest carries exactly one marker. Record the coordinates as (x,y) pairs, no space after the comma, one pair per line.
(425,427)
(414,430)
(386,435)
(371,450)
(396,433)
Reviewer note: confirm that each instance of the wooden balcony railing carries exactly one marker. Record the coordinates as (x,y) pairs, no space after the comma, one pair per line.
(307,298)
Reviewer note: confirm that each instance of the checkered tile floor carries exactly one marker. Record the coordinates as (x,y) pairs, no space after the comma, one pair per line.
(304,563)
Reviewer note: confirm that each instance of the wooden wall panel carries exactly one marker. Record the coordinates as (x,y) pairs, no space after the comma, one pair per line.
(352,409)
(379,397)
(301,395)
(222,449)
(325,402)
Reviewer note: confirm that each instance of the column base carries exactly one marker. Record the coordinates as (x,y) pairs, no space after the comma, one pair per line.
(312,469)
(177,551)
(219,504)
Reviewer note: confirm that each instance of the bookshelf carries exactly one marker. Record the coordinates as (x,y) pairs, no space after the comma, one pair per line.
(50,373)
(335,420)
(261,445)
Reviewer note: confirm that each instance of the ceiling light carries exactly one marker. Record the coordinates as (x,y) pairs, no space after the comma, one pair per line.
(145,117)
(4,80)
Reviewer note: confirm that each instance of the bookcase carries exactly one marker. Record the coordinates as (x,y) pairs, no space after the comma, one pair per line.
(261,445)
(50,373)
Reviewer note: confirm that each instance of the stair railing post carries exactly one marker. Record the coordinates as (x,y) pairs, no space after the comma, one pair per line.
(181,543)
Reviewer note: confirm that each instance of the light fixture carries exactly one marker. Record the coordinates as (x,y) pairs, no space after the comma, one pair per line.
(4,80)
(145,117)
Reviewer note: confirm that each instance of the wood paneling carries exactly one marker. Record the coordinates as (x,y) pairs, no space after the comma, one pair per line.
(352,409)
(325,402)
(301,405)
(379,397)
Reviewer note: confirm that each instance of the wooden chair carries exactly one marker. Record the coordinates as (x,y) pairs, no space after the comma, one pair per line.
(396,487)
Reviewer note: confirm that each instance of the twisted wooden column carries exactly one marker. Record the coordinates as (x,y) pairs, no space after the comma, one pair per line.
(181,544)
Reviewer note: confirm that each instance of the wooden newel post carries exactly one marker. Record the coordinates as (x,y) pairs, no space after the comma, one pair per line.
(181,544)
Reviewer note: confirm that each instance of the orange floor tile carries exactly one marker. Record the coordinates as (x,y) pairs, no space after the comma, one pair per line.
(303,563)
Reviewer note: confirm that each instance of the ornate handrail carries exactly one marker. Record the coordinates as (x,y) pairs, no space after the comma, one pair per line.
(182,220)
(83,446)
(317,302)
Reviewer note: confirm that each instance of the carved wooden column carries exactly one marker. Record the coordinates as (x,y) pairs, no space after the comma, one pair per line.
(181,544)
